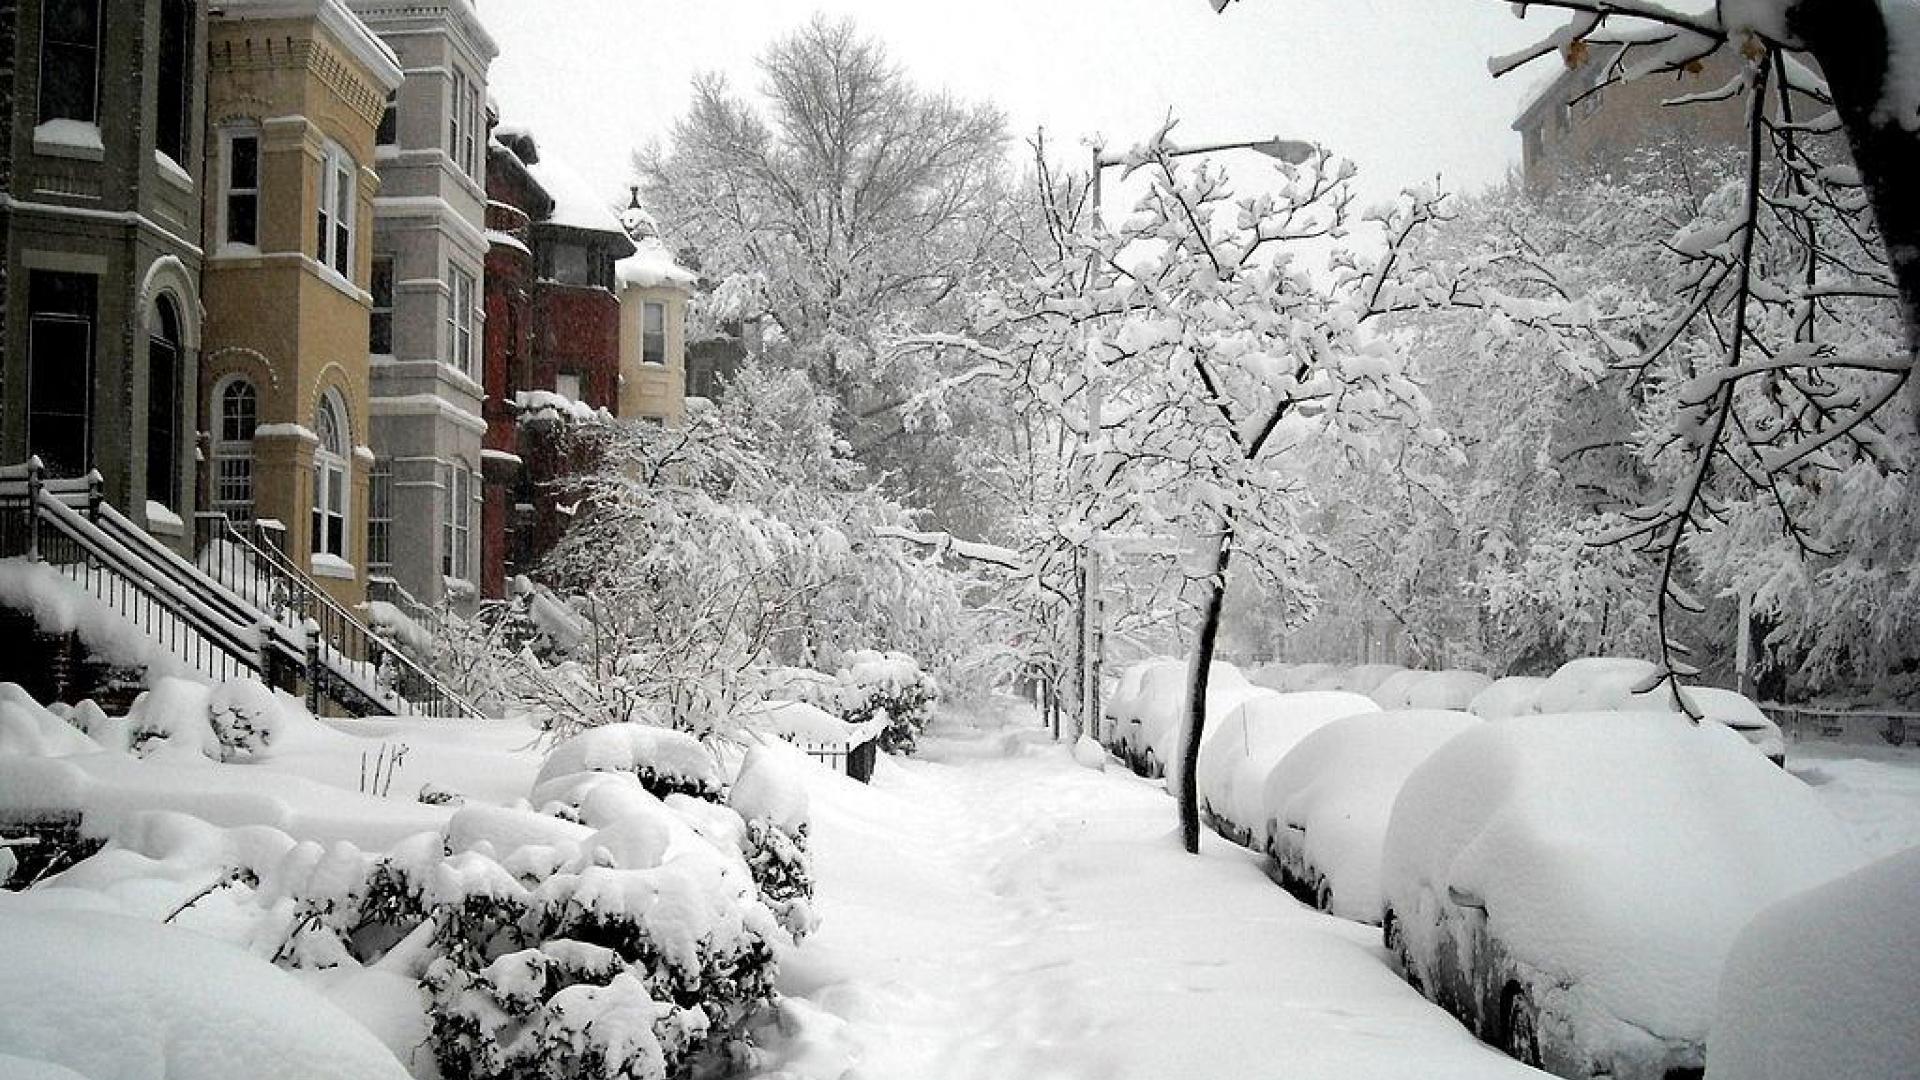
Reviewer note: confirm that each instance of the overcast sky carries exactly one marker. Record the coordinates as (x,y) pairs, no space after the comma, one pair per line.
(1400,86)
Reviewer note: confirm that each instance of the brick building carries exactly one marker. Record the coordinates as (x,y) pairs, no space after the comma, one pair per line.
(1571,131)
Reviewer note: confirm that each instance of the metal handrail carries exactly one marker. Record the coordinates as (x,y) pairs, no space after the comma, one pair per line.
(274,613)
(353,641)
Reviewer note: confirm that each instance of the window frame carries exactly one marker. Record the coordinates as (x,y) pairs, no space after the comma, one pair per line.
(456,522)
(380,517)
(462,294)
(650,337)
(229,191)
(331,503)
(97,48)
(233,449)
(88,322)
(163,401)
(178,16)
(337,211)
(380,313)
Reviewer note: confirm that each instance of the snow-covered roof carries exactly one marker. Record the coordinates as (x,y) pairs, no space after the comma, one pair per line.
(652,266)
(575,203)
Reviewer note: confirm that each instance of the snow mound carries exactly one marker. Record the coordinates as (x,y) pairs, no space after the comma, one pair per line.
(1450,689)
(1845,955)
(1249,741)
(1513,695)
(771,787)
(28,729)
(664,760)
(107,997)
(1328,802)
(1603,682)
(1615,856)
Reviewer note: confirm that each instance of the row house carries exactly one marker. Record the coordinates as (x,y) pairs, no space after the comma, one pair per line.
(584,307)
(243,249)
(100,222)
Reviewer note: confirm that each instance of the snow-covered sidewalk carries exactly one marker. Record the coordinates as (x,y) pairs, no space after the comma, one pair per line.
(993,910)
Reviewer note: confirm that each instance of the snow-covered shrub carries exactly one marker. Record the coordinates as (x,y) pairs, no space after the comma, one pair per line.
(889,687)
(665,761)
(244,716)
(770,797)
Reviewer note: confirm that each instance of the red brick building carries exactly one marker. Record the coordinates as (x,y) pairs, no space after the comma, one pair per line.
(553,327)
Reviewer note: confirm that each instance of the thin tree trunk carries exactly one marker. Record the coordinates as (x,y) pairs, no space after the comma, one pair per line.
(1197,679)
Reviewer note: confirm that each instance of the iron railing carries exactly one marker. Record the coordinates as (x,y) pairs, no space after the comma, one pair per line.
(357,667)
(245,608)
(1895,727)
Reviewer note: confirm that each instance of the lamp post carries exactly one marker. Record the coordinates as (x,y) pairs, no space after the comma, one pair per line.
(1092,613)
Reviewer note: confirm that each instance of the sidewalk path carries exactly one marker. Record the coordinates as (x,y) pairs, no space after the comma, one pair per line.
(993,911)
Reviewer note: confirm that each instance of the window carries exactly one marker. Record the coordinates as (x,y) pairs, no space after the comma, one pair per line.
(460,319)
(388,133)
(653,333)
(237,409)
(60,370)
(380,517)
(173,90)
(456,521)
(330,478)
(334,241)
(380,320)
(464,124)
(242,202)
(163,405)
(70,60)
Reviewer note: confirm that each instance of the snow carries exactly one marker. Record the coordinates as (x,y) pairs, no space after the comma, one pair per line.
(674,758)
(81,135)
(1900,96)
(1513,695)
(1329,800)
(1451,689)
(60,606)
(114,998)
(1356,680)
(1150,727)
(160,516)
(1251,739)
(285,431)
(28,729)
(1032,918)
(1602,682)
(798,721)
(771,787)
(1616,855)
(653,266)
(575,204)
(1845,956)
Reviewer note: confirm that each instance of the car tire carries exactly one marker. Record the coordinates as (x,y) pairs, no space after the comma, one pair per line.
(1323,895)
(1520,1027)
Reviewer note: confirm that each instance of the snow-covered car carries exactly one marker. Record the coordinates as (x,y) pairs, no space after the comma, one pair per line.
(1449,689)
(1245,744)
(1512,695)
(1329,800)
(1569,886)
(1355,680)
(1622,683)
(1123,730)
(1165,715)
(1845,955)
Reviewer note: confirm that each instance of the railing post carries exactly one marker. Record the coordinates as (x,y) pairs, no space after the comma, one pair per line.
(263,650)
(95,495)
(35,480)
(312,630)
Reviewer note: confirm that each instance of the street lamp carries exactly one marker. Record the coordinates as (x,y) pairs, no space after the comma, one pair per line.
(1092,615)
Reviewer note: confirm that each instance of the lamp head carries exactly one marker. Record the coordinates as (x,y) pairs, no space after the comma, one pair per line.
(1291,151)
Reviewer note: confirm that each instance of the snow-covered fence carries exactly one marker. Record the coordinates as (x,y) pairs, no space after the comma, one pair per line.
(1805,723)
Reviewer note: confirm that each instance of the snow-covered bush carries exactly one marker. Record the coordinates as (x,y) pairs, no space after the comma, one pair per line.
(244,716)
(889,687)
(664,761)
(769,796)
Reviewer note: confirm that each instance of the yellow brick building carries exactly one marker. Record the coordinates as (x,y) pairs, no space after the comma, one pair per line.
(296,92)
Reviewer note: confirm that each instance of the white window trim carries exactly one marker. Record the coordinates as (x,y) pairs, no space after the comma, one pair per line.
(461,319)
(225,165)
(335,164)
(329,464)
(99,75)
(456,526)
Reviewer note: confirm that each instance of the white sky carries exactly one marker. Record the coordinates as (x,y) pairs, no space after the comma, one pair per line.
(1400,86)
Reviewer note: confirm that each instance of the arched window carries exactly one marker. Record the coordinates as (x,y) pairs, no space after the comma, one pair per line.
(236,408)
(163,404)
(330,477)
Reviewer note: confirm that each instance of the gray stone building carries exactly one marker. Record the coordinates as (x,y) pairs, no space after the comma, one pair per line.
(100,204)
(426,338)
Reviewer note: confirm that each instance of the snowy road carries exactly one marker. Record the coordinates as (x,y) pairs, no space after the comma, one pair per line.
(993,910)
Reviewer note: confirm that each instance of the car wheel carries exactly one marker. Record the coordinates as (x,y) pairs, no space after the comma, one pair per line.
(1323,895)
(1522,1024)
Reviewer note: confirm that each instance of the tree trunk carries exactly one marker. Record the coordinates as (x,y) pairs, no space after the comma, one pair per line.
(1197,679)
(1849,39)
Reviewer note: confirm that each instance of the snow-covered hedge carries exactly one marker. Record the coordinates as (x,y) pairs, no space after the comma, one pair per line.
(887,691)
(627,926)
